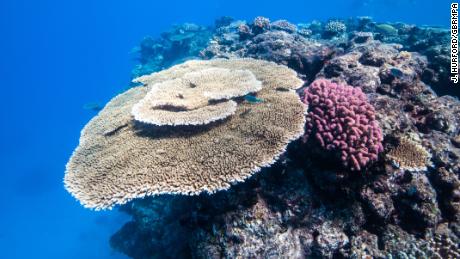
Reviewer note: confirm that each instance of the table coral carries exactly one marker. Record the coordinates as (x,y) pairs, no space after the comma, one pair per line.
(196,98)
(120,158)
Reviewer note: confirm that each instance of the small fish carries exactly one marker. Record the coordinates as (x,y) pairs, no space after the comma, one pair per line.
(282,89)
(252,99)
(387,29)
(93,106)
(396,72)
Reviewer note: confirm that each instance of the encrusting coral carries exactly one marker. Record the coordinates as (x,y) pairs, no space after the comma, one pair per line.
(119,158)
(199,97)
(341,119)
(409,155)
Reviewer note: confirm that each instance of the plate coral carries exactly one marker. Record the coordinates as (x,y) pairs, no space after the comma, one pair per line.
(186,131)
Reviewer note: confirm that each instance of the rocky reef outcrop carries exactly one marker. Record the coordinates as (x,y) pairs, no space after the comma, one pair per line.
(308,205)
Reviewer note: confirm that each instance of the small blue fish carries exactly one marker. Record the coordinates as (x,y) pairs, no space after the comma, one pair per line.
(396,72)
(252,99)
(93,106)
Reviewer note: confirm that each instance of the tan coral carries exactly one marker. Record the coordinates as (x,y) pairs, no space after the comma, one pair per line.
(118,159)
(409,155)
(221,83)
(191,99)
(198,116)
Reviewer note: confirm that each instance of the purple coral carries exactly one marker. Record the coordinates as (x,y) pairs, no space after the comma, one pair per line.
(341,119)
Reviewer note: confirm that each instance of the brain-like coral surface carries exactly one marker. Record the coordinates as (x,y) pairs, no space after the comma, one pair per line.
(341,119)
(120,158)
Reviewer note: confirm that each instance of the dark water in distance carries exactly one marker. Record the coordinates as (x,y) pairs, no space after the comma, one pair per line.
(58,55)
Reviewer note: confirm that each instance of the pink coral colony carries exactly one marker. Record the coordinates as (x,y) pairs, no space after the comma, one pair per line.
(341,119)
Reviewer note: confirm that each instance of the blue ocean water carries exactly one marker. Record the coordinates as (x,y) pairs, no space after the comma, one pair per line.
(57,56)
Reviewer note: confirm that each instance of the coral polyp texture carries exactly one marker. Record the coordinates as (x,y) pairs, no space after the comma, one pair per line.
(341,119)
(199,97)
(409,155)
(120,158)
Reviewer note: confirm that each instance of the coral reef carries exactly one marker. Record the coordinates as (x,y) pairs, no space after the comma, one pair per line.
(283,25)
(342,120)
(281,44)
(306,47)
(334,28)
(307,205)
(260,25)
(273,210)
(120,159)
(182,42)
